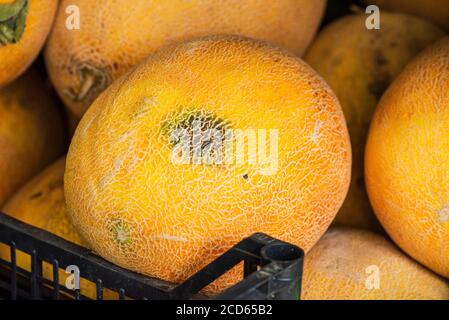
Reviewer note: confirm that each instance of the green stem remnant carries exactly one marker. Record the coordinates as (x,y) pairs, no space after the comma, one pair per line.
(12,21)
(121,233)
(92,82)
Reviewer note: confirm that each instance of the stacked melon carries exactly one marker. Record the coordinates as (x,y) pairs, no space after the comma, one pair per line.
(196,131)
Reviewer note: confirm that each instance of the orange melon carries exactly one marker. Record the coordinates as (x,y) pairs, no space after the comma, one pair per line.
(436,11)
(24,26)
(115,36)
(31,132)
(407,159)
(41,203)
(360,82)
(140,207)
(351,264)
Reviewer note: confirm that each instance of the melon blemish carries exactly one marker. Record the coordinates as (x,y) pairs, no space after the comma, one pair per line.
(199,137)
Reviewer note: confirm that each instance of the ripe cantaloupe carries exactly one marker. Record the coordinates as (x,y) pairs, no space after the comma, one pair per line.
(436,11)
(140,207)
(31,132)
(24,26)
(359,64)
(351,264)
(41,203)
(116,35)
(407,159)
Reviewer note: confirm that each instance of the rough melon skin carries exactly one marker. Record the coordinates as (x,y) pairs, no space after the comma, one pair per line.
(17,54)
(407,159)
(115,36)
(436,11)
(360,82)
(32,133)
(340,264)
(142,211)
(41,203)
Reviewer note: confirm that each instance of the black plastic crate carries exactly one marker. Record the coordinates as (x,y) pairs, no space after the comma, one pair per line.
(272,270)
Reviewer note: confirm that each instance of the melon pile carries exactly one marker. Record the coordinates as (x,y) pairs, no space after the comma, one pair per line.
(160,134)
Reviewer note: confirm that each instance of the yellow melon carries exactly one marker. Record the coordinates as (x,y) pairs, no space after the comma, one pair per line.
(31,132)
(359,64)
(148,202)
(113,36)
(351,264)
(407,159)
(41,203)
(24,26)
(436,11)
